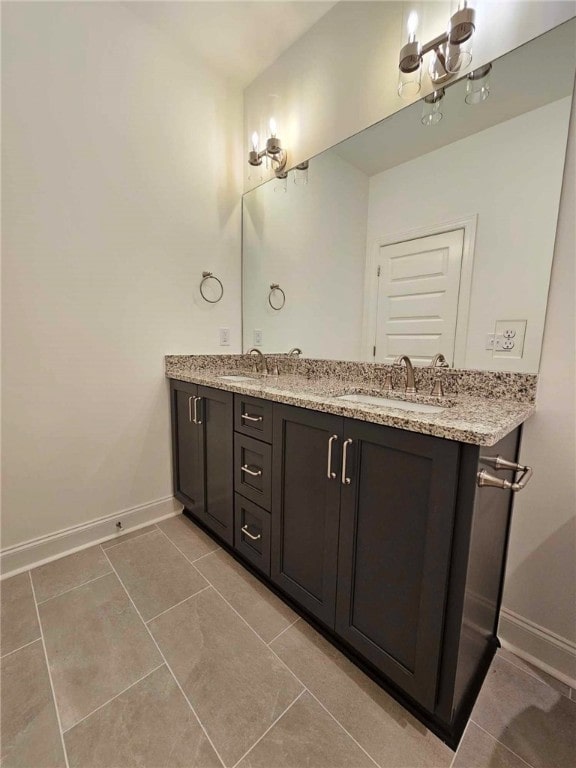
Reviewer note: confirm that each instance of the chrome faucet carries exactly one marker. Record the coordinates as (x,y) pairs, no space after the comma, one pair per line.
(262,366)
(295,352)
(410,388)
(439,362)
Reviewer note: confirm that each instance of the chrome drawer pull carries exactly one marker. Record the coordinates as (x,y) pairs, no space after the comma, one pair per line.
(246,468)
(329,474)
(345,480)
(247,417)
(250,535)
(196,420)
(190,410)
(484,478)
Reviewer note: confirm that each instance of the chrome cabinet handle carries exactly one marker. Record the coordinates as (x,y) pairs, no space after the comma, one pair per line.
(247,417)
(190,419)
(246,468)
(484,478)
(196,401)
(250,535)
(329,474)
(345,480)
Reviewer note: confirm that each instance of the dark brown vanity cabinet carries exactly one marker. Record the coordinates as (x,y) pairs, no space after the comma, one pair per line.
(202,454)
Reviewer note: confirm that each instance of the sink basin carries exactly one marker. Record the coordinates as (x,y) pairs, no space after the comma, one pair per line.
(237,378)
(388,402)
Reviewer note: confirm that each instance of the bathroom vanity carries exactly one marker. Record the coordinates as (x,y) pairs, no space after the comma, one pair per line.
(369,520)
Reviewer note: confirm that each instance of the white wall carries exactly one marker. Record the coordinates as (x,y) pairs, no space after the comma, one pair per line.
(512,183)
(541,578)
(311,241)
(341,76)
(336,80)
(120,184)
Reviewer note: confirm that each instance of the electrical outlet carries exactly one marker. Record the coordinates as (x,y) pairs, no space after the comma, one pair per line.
(508,343)
(257,337)
(224,337)
(509,333)
(509,338)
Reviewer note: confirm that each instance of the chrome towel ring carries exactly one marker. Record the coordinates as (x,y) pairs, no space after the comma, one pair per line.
(209,276)
(278,305)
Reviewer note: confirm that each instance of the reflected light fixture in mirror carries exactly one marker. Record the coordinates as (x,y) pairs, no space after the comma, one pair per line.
(432,108)
(478,85)
(301,174)
(451,51)
(273,150)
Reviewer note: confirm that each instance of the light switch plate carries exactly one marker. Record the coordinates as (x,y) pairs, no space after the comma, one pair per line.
(224,337)
(257,337)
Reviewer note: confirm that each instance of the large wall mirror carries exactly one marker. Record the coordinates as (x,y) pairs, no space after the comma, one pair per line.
(413,238)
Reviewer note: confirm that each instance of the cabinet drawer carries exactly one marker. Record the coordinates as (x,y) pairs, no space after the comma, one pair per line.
(253,417)
(252,533)
(253,470)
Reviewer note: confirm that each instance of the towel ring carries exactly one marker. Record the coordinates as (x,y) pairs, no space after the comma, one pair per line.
(276,287)
(208,276)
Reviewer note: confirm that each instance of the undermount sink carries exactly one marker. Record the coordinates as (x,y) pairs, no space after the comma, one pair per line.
(389,402)
(237,378)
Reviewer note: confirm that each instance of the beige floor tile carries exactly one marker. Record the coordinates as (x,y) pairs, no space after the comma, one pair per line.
(379,724)
(61,575)
(29,726)
(235,683)
(265,612)
(96,646)
(528,716)
(124,537)
(18,620)
(190,539)
(531,669)
(479,750)
(306,737)
(156,575)
(147,726)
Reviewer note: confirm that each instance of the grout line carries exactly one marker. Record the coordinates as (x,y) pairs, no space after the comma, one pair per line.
(5,655)
(208,586)
(499,742)
(166,662)
(535,676)
(113,697)
(206,554)
(270,727)
(294,675)
(131,538)
(41,602)
(460,743)
(284,630)
(49,673)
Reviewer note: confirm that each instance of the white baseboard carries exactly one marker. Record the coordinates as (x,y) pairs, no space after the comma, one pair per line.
(539,646)
(35,552)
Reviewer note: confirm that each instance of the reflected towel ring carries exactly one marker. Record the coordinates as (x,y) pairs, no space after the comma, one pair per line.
(208,276)
(276,287)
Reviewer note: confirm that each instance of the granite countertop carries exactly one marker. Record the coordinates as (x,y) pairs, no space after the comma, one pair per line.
(465,418)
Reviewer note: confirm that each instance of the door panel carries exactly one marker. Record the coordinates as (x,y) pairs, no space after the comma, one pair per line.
(216,450)
(418,293)
(305,508)
(186,459)
(395,536)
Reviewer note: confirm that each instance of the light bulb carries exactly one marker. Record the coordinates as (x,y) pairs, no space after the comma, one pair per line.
(272,128)
(412,26)
(255,141)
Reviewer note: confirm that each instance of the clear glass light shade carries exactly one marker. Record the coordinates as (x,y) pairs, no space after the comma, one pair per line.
(409,83)
(432,108)
(281,183)
(300,176)
(478,86)
(458,57)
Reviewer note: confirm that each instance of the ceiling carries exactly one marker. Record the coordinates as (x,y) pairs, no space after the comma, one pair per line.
(237,39)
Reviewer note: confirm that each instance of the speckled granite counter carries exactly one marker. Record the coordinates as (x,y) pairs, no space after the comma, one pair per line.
(479,407)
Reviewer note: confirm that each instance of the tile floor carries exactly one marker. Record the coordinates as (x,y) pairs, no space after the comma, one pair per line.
(158,649)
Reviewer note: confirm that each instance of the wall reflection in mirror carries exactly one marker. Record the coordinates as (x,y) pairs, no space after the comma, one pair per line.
(422,234)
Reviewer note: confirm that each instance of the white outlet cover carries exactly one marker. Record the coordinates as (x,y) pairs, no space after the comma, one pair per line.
(257,337)
(509,338)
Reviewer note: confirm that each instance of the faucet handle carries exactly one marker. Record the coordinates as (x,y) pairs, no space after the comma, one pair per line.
(438,389)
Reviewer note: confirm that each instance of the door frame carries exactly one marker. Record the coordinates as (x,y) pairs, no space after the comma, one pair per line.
(469,224)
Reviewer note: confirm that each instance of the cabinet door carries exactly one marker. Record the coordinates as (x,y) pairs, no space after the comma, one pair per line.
(186,463)
(216,467)
(305,507)
(395,536)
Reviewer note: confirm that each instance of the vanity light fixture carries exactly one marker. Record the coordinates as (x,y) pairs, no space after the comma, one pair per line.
(451,51)
(273,151)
